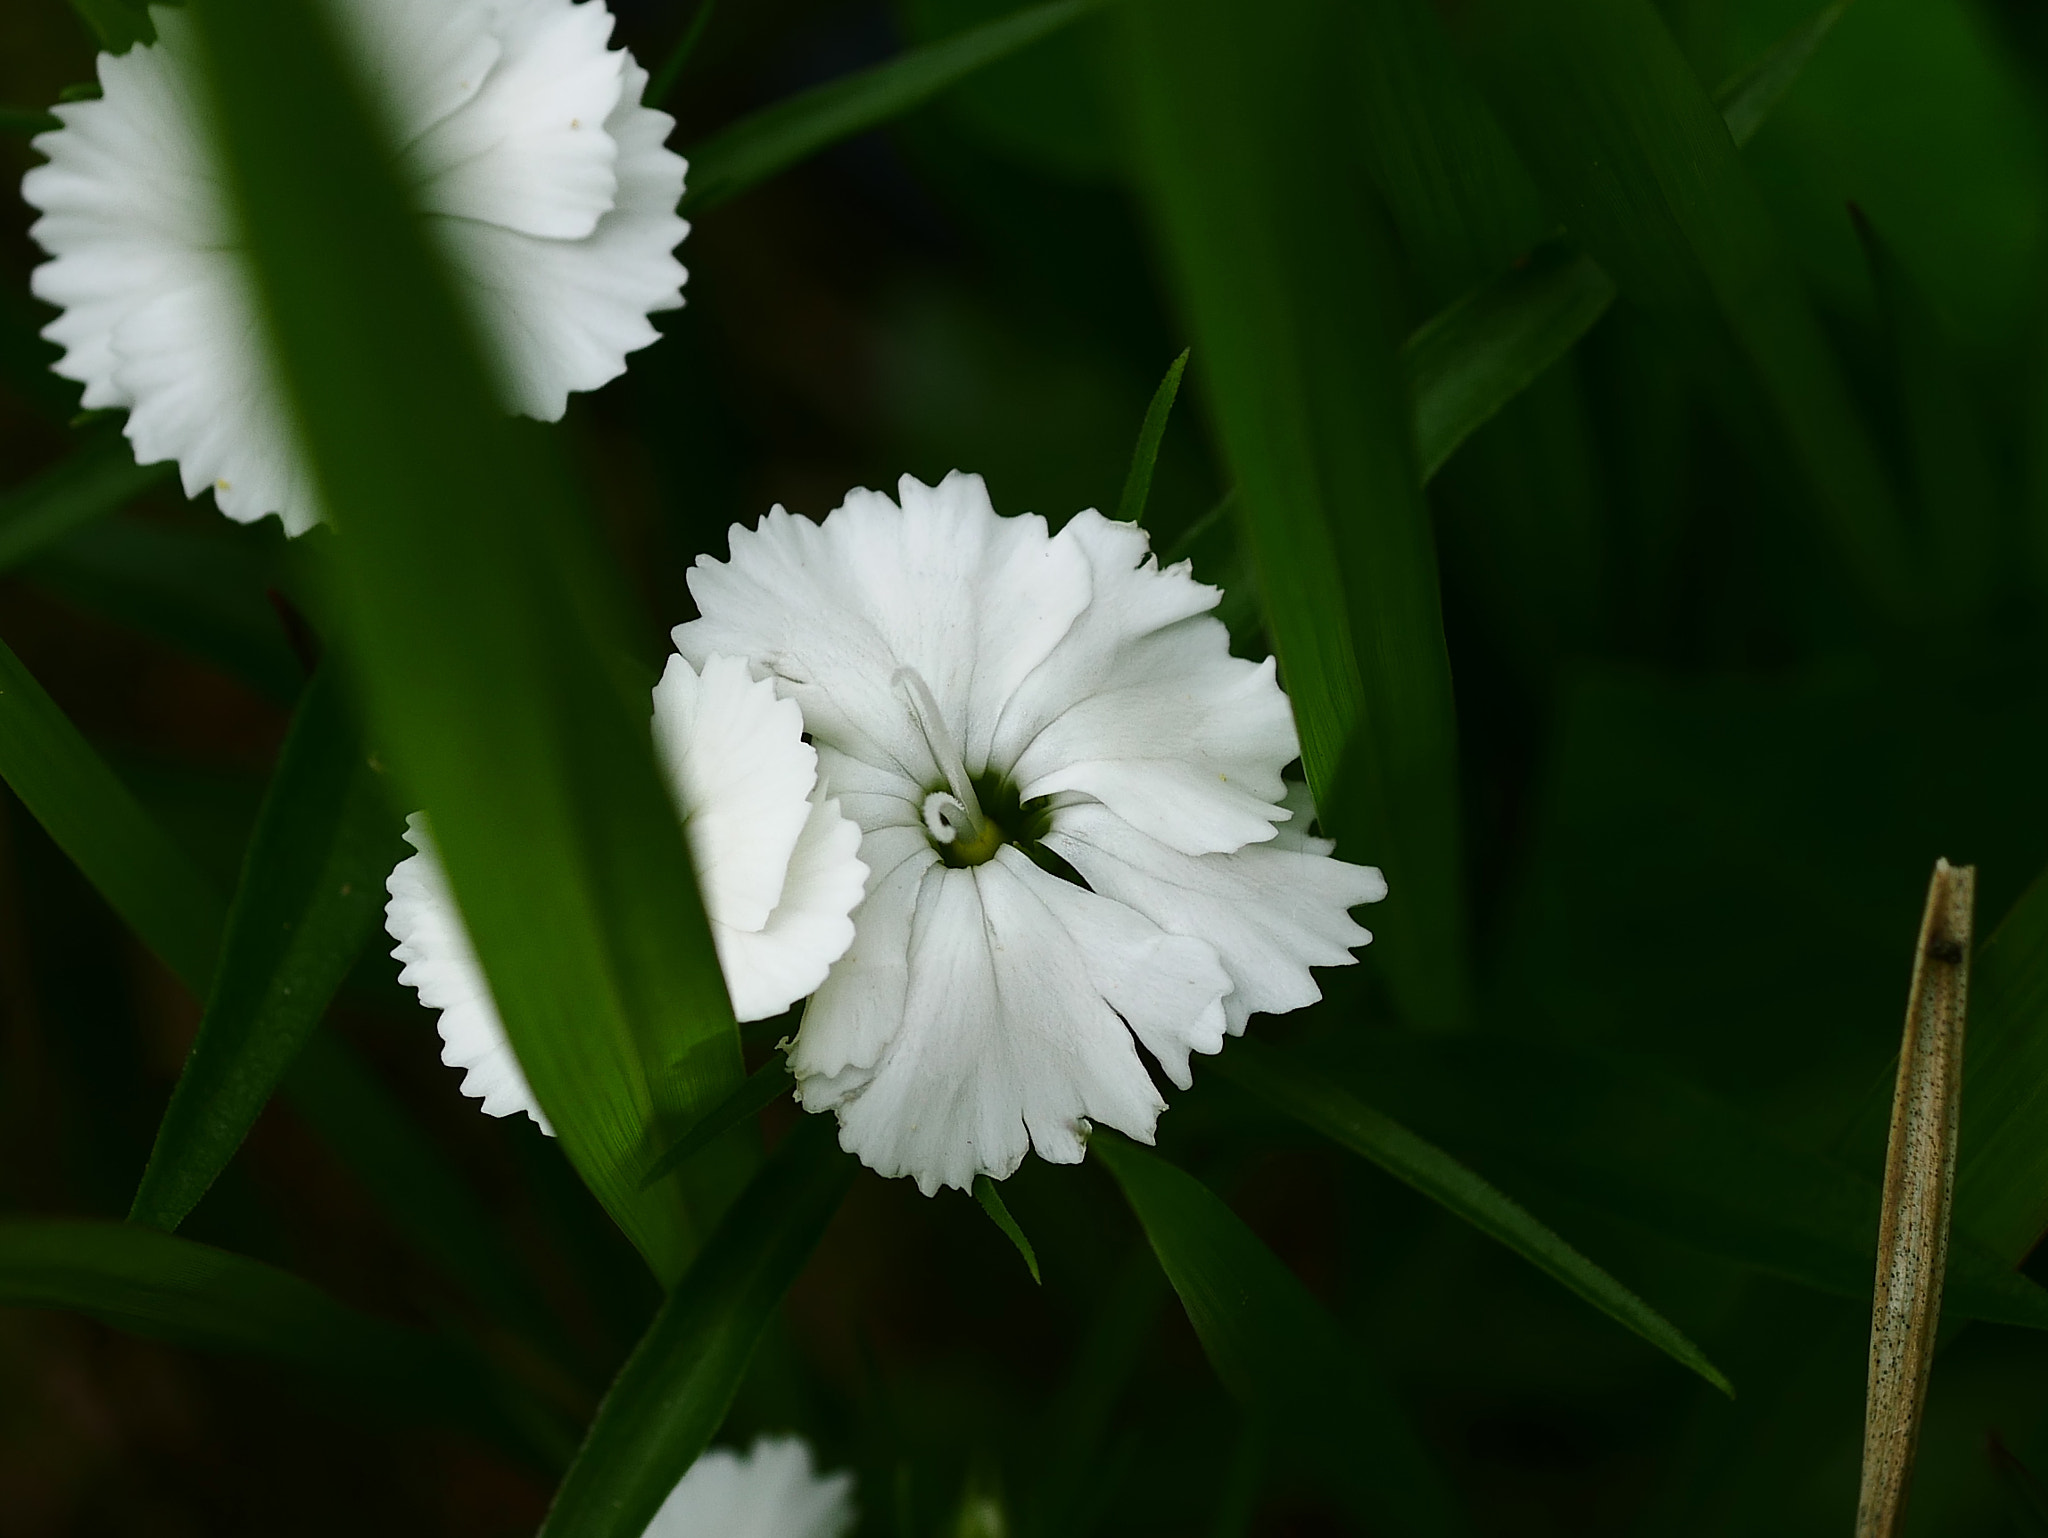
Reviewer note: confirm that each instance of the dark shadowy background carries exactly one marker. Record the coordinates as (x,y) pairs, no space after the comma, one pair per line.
(1702,801)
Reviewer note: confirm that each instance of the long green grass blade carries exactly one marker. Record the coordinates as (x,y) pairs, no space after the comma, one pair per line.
(1312,1098)
(1280,276)
(99,479)
(311,893)
(771,141)
(761,1089)
(96,821)
(669,1399)
(1611,120)
(1750,96)
(1279,1351)
(1665,1157)
(1130,507)
(487,627)
(663,85)
(171,1289)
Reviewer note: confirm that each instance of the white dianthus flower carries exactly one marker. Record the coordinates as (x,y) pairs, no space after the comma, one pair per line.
(524,142)
(770,1491)
(777,864)
(1068,790)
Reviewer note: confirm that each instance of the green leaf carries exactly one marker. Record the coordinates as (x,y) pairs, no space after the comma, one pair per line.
(1314,1099)
(98,480)
(2026,1498)
(487,626)
(171,1289)
(95,820)
(311,893)
(992,1203)
(760,147)
(1279,1351)
(1665,1157)
(1748,98)
(26,120)
(761,1089)
(663,84)
(673,1392)
(1612,122)
(1282,279)
(118,24)
(1130,507)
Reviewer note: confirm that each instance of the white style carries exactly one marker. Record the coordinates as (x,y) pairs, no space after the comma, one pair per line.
(523,138)
(1072,808)
(778,866)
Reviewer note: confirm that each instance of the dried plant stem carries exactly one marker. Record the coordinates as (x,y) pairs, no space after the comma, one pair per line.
(1919,1175)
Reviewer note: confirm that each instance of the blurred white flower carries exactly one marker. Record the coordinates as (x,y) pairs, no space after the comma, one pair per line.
(523,139)
(1069,792)
(771,1491)
(777,864)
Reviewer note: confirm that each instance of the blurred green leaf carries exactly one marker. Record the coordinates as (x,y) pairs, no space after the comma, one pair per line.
(99,479)
(171,1289)
(1280,273)
(673,1392)
(1279,1351)
(310,895)
(1748,99)
(664,82)
(489,631)
(1669,1158)
(992,1203)
(752,151)
(26,120)
(1310,1096)
(118,24)
(203,590)
(1130,507)
(1612,122)
(761,1089)
(95,820)
(2026,1499)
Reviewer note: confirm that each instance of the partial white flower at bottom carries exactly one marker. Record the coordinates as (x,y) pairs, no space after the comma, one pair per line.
(770,1491)
(777,863)
(524,142)
(1071,802)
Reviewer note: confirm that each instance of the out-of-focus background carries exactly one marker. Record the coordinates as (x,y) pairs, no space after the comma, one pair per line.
(1701,797)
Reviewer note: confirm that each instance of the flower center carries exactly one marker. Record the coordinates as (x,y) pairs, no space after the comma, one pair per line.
(968,817)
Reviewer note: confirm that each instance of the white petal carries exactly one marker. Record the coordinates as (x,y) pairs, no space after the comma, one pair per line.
(940,584)
(441,964)
(769,969)
(853,1016)
(1005,1042)
(770,1491)
(743,772)
(529,151)
(1271,914)
(424,62)
(564,315)
(1142,706)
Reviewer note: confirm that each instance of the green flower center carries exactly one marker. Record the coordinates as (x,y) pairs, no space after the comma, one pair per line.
(969,830)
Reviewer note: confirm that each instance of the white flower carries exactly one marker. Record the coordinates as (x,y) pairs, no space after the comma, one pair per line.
(777,864)
(524,141)
(770,1491)
(1068,790)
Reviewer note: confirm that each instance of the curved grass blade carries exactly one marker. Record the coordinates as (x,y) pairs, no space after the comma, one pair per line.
(95,820)
(1610,119)
(762,1088)
(1314,1100)
(757,148)
(1130,507)
(1281,277)
(992,1203)
(171,1289)
(486,625)
(674,1391)
(1279,1351)
(311,892)
(99,479)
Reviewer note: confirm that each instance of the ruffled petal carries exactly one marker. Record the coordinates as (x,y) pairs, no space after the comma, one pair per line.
(856,1012)
(1142,707)
(939,584)
(1271,914)
(423,62)
(529,151)
(440,963)
(769,969)
(771,1491)
(1005,1043)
